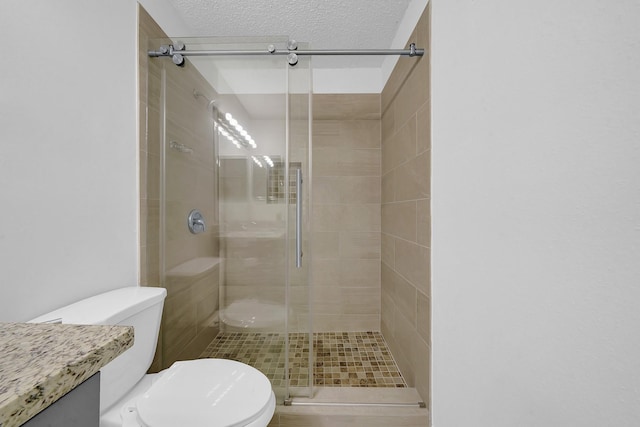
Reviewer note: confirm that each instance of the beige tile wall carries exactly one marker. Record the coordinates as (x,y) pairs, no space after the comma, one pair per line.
(187,326)
(149,111)
(405,218)
(255,265)
(149,114)
(299,295)
(346,212)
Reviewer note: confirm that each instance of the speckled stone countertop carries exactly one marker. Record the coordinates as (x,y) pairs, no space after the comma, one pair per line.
(40,363)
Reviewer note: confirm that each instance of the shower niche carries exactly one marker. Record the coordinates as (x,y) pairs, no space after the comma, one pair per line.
(261,179)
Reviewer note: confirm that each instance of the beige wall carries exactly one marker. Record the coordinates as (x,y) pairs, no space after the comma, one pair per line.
(346,212)
(405,219)
(192,299)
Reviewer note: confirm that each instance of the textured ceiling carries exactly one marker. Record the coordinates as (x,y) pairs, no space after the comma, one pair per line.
(324,24)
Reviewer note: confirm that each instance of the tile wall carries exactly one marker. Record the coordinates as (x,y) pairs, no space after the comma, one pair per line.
(405,221)
(346,212)
(192,293)
(149,137)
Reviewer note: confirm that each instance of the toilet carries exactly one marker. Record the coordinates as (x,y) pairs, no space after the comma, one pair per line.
(194,393)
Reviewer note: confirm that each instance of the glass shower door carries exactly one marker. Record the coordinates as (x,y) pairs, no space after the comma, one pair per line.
(236,130)
(300,328)
(253,211)
(189,246)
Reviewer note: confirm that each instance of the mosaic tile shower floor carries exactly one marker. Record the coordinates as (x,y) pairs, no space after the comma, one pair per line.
(342,359)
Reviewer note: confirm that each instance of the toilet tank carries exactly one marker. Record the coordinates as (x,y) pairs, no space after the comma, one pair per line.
(140,307)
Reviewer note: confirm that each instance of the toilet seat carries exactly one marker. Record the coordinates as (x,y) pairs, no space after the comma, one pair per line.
(205,393)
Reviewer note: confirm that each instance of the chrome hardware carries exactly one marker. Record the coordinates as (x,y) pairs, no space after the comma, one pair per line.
(298,218)
(292,58)
(412,49)
(177,58)
(196,222)
(179,52)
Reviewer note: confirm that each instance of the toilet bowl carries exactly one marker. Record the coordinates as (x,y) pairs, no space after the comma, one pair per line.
(194,393)
(205,392)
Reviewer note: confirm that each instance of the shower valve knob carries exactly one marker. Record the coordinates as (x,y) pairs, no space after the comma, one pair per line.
(195,222)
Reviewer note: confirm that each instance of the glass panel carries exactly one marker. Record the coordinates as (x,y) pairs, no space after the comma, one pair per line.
(231,136)
(190,262)
(301,346)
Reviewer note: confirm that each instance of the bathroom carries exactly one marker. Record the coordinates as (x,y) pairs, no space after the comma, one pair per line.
(370,185)
(70,164)
(186,168)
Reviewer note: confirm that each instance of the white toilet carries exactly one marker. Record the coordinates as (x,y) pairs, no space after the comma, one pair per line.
(194,393)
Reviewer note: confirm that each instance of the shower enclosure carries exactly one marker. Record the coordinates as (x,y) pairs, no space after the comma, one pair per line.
(229,164)
(234,208)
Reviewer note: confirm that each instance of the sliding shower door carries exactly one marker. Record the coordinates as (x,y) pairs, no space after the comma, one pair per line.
(235,210)
(299,269)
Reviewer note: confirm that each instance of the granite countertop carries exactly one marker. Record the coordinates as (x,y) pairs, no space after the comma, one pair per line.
(40,363)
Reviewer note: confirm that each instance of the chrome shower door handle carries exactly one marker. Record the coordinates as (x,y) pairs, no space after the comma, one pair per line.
(298,218)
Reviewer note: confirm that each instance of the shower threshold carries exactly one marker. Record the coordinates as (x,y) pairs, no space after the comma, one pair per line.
(355,407)
(358,397)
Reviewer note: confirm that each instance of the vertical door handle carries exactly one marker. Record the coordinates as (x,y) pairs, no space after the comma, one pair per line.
(298,218)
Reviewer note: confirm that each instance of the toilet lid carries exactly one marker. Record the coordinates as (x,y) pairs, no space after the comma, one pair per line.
(204,393)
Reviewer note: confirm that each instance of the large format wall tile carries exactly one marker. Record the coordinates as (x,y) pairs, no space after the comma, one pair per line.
(400,147)
(346,134)
(406,219)
(413,178)
(346,212)
(399,219)
(424,222)
(187,325)
(360,245)
(412,263)
(346,162)
(346,107)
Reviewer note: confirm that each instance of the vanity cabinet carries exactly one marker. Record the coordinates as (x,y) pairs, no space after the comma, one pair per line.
(50,372)
(78,408)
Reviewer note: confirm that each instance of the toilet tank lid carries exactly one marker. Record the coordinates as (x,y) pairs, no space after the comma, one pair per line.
(109,308)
